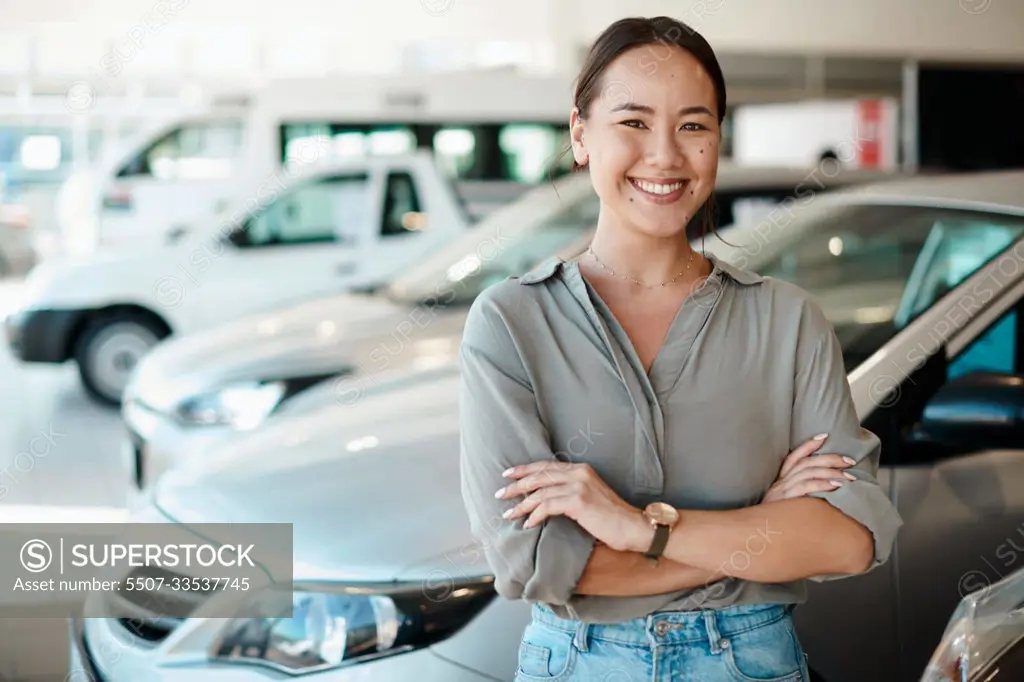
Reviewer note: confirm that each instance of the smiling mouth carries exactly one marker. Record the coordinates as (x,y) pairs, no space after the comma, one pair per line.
(661,188)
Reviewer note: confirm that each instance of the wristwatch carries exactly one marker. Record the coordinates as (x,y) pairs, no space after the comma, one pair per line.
(663,517)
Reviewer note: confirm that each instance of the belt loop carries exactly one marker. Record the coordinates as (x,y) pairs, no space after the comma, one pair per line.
(714,638)
(581,638)
(652,638)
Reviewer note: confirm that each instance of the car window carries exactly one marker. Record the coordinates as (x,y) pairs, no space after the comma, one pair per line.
(402,211)
(331,209)
(993,351)
(873,269)
(198,151)
(957,247)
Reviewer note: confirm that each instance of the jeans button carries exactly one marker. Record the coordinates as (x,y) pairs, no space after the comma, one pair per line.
(660,628)
(725,643)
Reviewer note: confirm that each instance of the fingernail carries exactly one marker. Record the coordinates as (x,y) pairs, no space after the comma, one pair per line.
(528,524)
(820,436)
(849,460)
(507,513)
(500,492)
(836,483)
(849,476)
(508,472)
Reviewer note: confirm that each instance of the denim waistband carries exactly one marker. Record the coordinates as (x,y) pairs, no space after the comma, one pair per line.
(668,627)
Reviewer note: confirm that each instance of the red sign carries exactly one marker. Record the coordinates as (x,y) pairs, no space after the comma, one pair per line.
(869,133)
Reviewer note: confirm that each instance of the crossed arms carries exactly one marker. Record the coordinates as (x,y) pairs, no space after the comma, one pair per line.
(580,538)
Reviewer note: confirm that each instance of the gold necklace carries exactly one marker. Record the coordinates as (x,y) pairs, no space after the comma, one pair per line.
(689,260)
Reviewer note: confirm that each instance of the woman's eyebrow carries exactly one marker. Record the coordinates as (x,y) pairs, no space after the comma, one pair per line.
(644,109)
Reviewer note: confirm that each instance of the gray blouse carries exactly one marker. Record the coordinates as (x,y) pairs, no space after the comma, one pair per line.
(750,369)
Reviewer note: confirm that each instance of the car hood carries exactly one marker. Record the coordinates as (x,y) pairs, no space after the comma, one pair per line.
(334,475)
(102,276)
(320,338)
(75,264)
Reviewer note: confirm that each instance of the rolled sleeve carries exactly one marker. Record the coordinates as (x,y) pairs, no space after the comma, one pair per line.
(823,404)
(500,427)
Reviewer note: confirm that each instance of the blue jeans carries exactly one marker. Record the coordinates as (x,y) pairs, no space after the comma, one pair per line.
(754,643)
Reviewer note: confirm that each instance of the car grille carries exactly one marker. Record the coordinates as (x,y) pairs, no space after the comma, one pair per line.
(150,630)
(154,614)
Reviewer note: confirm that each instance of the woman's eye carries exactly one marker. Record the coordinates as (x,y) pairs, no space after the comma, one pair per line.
(694,127)
(633,123)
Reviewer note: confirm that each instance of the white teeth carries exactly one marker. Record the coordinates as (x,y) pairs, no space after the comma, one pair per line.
(657,188)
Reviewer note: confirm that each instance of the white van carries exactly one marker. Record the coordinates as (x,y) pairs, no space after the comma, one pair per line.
(299,233)
(496,134)
(853,134)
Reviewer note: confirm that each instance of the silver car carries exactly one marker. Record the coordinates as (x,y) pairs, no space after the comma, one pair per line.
(191,391)
(924,281)
(984,640)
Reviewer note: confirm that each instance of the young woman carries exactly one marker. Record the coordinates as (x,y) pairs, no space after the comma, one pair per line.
(639,450)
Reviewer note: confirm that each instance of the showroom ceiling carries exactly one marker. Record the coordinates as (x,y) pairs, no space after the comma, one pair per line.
(770,51)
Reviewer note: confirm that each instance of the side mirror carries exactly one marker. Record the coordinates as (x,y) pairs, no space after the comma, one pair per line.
(976,411)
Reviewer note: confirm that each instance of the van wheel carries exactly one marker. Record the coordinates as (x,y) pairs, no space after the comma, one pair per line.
(108,349)
(828,154)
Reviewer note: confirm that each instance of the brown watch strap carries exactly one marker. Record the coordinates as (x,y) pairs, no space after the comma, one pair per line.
(658,543)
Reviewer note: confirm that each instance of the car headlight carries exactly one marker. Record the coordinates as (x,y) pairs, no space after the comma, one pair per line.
(335,626)
(242,406)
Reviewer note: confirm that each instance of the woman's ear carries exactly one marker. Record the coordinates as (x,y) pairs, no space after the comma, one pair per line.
(579,147)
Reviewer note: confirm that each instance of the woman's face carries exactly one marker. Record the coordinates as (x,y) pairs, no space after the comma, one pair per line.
(651,139)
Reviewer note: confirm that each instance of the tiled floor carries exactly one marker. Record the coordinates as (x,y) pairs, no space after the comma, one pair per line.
(57,447)
(59,461)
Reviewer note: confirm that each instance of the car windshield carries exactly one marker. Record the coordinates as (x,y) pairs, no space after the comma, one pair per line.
(874,268)
(542,224)
(508,243)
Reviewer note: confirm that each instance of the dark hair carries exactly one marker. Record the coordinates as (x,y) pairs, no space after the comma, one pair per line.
(626,34)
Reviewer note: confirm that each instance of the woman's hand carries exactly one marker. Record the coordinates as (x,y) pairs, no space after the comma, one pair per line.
(575,491)
(802,473)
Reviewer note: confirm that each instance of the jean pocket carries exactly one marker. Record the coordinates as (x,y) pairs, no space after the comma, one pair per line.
(767,653)
(545,654)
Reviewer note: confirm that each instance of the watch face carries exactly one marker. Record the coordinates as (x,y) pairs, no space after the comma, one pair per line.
(662,514)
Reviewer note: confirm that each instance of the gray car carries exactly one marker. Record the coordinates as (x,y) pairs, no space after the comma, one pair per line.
(924,281)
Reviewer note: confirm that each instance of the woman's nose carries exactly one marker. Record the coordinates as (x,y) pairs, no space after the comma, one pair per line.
(664,151)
